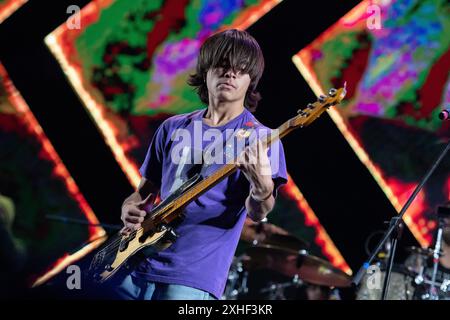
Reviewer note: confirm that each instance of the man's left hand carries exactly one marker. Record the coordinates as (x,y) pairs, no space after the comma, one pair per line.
(255,165)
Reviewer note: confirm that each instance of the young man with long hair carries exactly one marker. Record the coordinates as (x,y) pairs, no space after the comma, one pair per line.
(196,266)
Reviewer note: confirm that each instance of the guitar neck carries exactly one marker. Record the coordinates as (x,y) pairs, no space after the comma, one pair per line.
(226,170)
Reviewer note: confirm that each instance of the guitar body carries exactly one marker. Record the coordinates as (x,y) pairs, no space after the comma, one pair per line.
(103,267)
(156,234)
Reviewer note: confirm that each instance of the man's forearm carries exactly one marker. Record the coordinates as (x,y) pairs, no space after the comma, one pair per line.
(144,189)
(260,200)
(257,210)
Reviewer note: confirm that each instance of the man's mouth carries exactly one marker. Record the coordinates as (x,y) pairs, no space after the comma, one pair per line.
(226,84)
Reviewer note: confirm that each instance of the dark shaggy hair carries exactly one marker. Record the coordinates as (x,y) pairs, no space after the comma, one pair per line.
(230,49)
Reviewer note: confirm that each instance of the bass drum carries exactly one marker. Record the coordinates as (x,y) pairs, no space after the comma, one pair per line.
(401,285)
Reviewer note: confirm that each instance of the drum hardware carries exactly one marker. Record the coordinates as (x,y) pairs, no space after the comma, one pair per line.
(441,288)
(445,285)
(434,286)
(237,280)
(277,290)
(424,252)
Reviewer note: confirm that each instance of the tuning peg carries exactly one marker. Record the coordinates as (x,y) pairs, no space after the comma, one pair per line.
(310,106)
(322,98)
(302,113)
(332,92)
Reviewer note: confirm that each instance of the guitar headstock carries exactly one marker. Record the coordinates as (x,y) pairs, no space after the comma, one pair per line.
(314,110)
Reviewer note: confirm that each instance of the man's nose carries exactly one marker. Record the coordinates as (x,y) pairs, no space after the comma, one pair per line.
(230,73)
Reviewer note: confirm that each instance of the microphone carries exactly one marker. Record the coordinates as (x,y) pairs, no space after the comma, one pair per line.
(445,114)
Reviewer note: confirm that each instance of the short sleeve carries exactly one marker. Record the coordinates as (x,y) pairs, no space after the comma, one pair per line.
(151,168)
(278,165)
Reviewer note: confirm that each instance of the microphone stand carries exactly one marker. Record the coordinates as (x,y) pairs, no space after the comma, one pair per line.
(396,235)
(393,226)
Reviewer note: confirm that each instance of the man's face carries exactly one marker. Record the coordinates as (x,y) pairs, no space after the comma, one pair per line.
(225,84)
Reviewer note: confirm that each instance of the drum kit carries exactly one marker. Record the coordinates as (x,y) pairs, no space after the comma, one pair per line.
(277,266)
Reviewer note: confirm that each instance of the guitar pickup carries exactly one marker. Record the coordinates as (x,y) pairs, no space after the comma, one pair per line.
(123,245)
(124,242)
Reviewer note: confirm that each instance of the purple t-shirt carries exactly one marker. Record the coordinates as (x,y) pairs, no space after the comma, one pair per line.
(209,234)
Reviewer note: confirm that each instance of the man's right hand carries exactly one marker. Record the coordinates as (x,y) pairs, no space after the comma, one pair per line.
(133,214)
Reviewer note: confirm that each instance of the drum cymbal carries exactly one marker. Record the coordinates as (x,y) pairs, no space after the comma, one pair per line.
(287,241)
(267,233)
(428,252)
(291,263)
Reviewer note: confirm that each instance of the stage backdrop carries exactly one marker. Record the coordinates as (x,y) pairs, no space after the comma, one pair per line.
(35,188)
(395,59)
(8,7)
(129,62)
